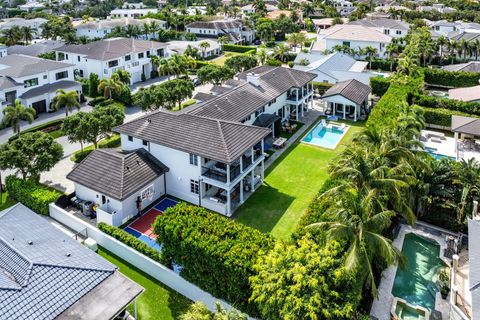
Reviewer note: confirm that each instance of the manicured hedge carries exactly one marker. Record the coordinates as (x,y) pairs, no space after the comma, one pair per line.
(238,48)
(199,64)
(216,253)
(31,193)
(46,127)
(472,108)
(382,64)
(379,85)
(131,241)
(112,142)
(441,117)
(321,87)
(451,78)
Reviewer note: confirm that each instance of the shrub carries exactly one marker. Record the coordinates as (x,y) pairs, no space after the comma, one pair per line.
(384,65)
(32,194)
(46,127)
(238,48)
(379,85)
(97,100)
(321,87)
(199,64)
(441,117)
(445,103)
(274,63)
(131,241)
(451,78)
(112,142)
(291,64)
(216,253)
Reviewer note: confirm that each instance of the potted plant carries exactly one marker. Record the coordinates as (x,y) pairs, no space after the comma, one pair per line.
(444,279)
(444,291)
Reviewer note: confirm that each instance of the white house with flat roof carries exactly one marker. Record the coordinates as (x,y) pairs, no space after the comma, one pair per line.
(391,27)
(34,81)
(105,57)
(234,29)
(100,28)
(132,13)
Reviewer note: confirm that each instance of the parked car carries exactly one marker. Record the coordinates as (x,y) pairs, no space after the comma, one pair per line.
(196,82)
(257,42)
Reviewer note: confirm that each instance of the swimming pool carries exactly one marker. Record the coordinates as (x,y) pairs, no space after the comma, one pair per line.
(434,154)
(416,283)
(326,136)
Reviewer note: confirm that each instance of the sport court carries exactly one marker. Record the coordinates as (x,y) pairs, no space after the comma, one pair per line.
(141,228)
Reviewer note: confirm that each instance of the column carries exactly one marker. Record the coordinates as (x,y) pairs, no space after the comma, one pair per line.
(296,116)
(229,204)
(263,170)
(263,146)
(241,191)
(302,107)
(344,111)
(273,129)
(311,103)
(455,135)
(252,176)
(355,114)
(241,164)
(228,173)
(253,156)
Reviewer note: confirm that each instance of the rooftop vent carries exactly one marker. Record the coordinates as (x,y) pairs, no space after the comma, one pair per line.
(253,79)
(68,254)
(149,120)
(30,242)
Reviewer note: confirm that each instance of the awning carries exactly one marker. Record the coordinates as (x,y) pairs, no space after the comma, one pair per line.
(265,120)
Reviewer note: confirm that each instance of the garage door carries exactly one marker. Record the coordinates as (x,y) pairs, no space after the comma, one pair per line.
(40,106)
(136,77)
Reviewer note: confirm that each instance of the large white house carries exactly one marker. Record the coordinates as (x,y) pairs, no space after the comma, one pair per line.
(210,154)
(132,13)
(101,28)
(34,81)
(390,27)
(352,36)
(232,28)
(105,57)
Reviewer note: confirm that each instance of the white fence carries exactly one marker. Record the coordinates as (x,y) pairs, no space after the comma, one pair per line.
(144,263)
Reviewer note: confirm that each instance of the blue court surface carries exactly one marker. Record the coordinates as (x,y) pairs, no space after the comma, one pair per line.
(164,204)
(149,241)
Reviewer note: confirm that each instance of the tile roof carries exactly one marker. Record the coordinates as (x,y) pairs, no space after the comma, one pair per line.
(36,48)
(243,100)
(51,88)
(462,35)
(111,48)
(465,94)
(355,33)
(352,90)
(7,82)
(201,96)
(128,171)
(466,125)
(19,65)
(382,23)
(44,271)
(214,139)
(217,24)
(472,66)
(113,23)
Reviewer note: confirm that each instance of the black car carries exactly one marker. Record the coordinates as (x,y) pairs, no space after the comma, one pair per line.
(196,82)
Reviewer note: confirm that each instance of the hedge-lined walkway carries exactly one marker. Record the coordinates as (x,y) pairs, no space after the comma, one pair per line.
(291,183)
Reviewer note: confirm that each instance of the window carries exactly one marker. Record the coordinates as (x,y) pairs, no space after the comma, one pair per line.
(194,188)
(160,52)
(61,75)
(128,58)
(112,63)
(78,58)
(30,82)
(80,72)
(148,54)
(130,138)
(346,44)
(145,142)
(259,111)
(45,76)
(140,55)
(193,159)
(147,194)
(398,32)
(386,31)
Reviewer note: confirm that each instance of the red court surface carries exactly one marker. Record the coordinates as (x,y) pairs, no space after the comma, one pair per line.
(144,223)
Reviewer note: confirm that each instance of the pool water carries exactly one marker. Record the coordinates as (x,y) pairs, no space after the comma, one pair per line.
(324,136)
(416,283)
(435,155)
(405,312)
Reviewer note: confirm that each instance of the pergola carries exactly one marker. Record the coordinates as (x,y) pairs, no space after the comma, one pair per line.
(347,98)
(465,126)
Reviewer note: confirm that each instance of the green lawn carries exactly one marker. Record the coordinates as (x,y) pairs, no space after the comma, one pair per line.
(290,185)
(221,60)
(157,301)
(6,201)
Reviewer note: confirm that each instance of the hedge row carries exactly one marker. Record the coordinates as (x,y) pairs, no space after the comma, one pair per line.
(379,85)
(451,78)
(216,253)
(382,64)
(31,193)
(112,142)
(46,127)
(445,103)
(238,48)
(441,117)
(131,241)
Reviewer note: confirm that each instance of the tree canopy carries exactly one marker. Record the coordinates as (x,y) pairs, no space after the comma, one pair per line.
(214,74)
(241,62)
(165,95)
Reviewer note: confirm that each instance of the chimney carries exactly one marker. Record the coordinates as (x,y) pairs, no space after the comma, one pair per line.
(253,79)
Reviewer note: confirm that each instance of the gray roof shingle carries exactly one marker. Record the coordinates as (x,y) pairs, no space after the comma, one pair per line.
(352,90)
(218,24)
(214,139)
(111,48)
(240,102)
(44,271)
(472,66)
(51,87)
(36,48)
(19,65)
(128,171)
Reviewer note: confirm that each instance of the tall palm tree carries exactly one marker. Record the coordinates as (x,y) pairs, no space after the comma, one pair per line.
(154,27)
(146,29)
(12,36)
(468,177)
(441,42)
(408,66)
(370,52)
(27,34)
(262,56)
(222,40)
(67,100)
(109,87)
(280,51)
(392,50)
(165,68)
(12,115)
(122,76)
(204,45)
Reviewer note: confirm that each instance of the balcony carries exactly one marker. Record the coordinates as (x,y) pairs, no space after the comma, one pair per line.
(218,171)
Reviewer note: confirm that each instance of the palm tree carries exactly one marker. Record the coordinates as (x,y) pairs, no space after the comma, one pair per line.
(358,218)
(392,50)
(165,68)
(468,177)
(11,36)
(408,66)
(280,51)
(204,45)
(122,76)
(69,100)
(146,30)
(262,56)
(12,115)
(27,34)
(154,27)
(222,40)
(109,87)
(441,42)
(370,52)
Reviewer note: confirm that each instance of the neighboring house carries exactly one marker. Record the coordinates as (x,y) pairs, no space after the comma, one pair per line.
(439,7)
(390,27)
(37,48)
(352,36)
(472,66)
(31,6)
(179,47)
(250,9)
(101,28)
(35,24)
(232,28)
(212,153)
(442,27)
(348,99)
(463,35)
(325,23)
(3,51)
(105,57)
(47,274)
(34,81)
(468,94)
(333,68)
(131,13)
(344,7)
(135,180)
(277,13)
(133,5)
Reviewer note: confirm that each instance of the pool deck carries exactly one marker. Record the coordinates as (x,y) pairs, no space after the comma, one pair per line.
(381,306)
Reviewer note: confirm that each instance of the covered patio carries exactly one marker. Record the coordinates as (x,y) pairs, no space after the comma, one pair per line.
(467,137)
(347,100)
